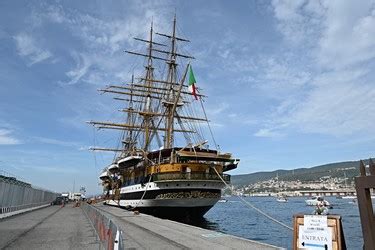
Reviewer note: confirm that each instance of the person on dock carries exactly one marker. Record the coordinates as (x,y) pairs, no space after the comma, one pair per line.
(321,209)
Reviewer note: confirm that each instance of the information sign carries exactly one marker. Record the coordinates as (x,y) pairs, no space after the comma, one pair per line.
(318,232)
(315,239)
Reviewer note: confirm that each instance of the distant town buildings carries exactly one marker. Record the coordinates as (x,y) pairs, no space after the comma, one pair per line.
(275,185)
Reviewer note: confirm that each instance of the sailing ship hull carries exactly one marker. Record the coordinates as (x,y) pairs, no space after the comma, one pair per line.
(171,199)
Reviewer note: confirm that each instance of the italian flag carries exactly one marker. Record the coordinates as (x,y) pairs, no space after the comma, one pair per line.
(192,83)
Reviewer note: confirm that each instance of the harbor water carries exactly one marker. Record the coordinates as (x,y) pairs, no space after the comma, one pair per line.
(236,218)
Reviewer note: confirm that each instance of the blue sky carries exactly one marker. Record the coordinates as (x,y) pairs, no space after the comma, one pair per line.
(290,83)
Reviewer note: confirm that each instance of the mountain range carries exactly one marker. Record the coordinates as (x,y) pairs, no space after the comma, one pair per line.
(348,169)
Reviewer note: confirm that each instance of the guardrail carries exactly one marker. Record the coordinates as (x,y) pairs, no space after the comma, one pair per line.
(188,176)
(107,232)
(4,210)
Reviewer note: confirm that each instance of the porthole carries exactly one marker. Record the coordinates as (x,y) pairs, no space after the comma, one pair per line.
(188,184)
(177,185)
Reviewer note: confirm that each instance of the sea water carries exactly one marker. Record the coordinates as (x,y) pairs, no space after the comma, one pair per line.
(236,218)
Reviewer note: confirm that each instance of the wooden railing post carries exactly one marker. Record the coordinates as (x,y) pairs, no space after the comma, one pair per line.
(363,184)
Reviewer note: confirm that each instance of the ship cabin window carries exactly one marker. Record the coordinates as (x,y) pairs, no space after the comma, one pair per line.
(181,160)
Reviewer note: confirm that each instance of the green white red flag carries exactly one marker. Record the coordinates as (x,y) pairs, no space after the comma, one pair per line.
(192,83)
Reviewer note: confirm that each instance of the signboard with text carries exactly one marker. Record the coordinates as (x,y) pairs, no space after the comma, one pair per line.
(315,239)
(317,232)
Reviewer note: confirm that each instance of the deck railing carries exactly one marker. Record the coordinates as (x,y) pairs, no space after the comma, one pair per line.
(189,176)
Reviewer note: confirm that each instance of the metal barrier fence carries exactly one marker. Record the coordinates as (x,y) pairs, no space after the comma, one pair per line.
(17,195)
(4,210)
(107,232)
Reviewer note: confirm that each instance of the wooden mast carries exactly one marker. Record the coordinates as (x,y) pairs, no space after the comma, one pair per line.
(128,141)
(153,103)
(171,98)
(147,109)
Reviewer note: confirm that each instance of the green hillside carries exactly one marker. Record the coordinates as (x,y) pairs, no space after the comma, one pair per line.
(351,169)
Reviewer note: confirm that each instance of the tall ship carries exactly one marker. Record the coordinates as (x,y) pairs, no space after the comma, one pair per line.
(164,165)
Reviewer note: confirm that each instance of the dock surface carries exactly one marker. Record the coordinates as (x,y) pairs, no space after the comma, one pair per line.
(67,227)
(148,232)
(48,228)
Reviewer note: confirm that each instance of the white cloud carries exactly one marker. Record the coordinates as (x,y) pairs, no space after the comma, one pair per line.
(218,110)
(281,78)
(338,38)
(27,47)
(336,109)
(54,169)
(56,142)
(267,133)
(298,19)
(7,139)
(338,33)
(104,39)
(282,73)
(83,63)
(349,34)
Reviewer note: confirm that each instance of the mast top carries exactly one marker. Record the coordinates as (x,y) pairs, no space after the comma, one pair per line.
(158,107)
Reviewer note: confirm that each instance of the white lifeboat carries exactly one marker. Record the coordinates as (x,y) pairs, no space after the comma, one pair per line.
(104,175)
(129,161)
(113,168)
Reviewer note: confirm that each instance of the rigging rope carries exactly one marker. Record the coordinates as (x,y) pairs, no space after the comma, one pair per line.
(94,153)
(208,123)
(252,206)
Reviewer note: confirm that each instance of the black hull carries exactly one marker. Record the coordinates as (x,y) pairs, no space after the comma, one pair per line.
(173,213)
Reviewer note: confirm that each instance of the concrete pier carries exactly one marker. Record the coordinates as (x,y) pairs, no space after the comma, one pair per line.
(48,228)
(148,232)
(66,227)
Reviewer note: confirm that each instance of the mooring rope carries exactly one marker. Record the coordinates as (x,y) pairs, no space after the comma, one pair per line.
(251,205)
(144,193)
(149,180)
